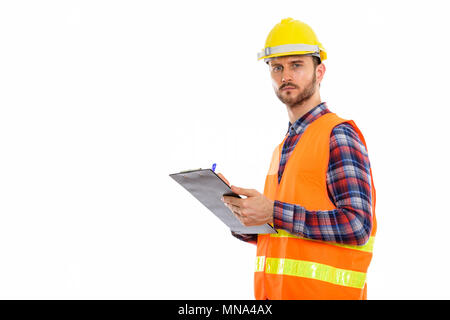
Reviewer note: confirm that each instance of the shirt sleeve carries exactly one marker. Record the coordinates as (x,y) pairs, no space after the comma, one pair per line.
(250,238)
(349,188)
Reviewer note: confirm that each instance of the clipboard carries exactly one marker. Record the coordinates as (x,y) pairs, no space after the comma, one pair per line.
(208,188)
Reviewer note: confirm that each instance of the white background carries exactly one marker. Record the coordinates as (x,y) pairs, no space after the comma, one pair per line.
(101,100)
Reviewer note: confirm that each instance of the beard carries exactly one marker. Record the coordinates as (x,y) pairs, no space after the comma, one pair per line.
(289,99)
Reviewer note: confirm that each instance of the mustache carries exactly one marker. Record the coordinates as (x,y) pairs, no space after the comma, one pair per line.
(287,84)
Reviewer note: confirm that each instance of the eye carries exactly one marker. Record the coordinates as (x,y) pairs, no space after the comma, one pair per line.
(297,65)
(277,68)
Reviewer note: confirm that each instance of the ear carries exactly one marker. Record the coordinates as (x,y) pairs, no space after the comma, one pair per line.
(320,72)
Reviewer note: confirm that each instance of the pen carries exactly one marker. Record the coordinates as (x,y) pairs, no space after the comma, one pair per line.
(214,167)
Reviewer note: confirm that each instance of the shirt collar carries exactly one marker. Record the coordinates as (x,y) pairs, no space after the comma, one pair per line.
(301,123)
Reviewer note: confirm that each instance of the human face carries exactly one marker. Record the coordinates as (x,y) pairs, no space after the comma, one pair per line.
(293,78)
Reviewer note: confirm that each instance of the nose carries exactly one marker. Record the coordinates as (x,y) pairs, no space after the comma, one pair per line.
(286,76)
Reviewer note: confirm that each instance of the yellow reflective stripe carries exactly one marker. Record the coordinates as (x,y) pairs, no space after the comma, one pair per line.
(317,271)
(259,264)
(368,247)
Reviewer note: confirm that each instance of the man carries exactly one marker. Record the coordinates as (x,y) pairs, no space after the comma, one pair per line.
(319,193)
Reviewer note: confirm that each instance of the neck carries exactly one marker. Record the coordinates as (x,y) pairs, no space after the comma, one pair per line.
(295,112)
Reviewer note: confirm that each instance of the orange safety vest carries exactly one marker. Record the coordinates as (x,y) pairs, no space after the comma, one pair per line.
(292,267)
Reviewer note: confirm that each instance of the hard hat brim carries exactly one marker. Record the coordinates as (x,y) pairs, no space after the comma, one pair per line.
(292,49)
(322,56)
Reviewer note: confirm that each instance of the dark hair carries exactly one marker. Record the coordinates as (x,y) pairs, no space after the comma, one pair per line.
(316,61)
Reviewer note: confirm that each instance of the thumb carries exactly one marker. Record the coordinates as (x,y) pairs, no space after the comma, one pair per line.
(244,192)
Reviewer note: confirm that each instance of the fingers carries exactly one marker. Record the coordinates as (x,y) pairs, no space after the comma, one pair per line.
(239,213)
(254,210)
(235,209)
(234,201)
(243,208)
(242,220)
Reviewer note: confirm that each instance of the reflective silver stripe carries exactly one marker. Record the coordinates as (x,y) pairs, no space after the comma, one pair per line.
(288,48)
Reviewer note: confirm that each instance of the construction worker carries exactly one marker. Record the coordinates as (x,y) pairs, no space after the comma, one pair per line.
(319,193)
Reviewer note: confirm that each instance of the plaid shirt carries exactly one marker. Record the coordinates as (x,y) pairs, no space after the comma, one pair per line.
(349,188)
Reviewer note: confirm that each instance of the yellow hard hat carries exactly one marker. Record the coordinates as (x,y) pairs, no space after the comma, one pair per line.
(291,37)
